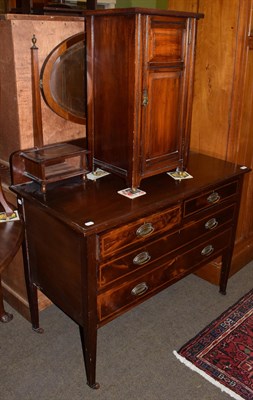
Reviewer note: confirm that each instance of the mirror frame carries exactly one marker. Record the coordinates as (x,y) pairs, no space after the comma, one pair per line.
(45,76)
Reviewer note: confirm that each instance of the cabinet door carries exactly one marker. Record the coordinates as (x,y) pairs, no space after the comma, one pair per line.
(166,100)
(162,139)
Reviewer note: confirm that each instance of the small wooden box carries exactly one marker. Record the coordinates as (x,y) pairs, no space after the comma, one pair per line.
(54,163)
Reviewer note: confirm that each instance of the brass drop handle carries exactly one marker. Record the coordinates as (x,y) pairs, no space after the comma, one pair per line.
(211,224)
(141,258)
(139,289)
(145,229)
(207,251)
(213,198)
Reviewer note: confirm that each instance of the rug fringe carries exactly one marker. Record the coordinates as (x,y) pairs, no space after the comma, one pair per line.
(223,388)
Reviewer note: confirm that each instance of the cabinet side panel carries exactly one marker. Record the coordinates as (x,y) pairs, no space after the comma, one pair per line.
(55,260)
(113,90)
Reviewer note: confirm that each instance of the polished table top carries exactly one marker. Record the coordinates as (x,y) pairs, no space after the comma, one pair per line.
(76,202)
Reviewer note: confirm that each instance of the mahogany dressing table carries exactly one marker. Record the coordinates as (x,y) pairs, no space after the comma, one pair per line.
(96,254)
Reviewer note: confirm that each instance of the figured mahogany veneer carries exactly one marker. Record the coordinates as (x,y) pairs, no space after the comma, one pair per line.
(97,254)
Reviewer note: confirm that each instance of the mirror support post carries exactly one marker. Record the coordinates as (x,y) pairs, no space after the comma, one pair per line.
(37,116)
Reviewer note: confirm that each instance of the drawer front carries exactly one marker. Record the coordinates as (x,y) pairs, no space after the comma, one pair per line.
(150,254)
(166,40)
(138,231)
(210,198)
(124,296)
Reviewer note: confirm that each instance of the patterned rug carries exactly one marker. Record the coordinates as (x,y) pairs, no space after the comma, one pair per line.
(223,352)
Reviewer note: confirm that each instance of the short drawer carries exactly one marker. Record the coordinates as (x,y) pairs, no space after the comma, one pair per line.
(166,40)
(149,255)
(132,291)
(208,199)
(138,231)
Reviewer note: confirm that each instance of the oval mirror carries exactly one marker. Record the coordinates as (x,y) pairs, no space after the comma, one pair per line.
(63,79)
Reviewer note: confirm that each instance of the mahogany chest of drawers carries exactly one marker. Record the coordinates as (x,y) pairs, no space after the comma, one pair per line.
(97,254)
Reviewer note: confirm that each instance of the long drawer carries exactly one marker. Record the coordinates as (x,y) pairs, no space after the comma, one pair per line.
(138,231)
(151,253)
(171,268)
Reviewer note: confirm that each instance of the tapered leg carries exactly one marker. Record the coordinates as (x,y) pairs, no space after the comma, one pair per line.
(32,293)
(225,269)
(88,328)
(34,308)
(89,347)
(4,316)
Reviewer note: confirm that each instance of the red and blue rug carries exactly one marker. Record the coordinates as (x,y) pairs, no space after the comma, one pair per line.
(223,351)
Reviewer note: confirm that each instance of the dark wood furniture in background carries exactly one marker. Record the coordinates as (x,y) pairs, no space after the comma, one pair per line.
(16,131)
(11,236)
(140,65)
(44,6)
(97,254)
(222,117)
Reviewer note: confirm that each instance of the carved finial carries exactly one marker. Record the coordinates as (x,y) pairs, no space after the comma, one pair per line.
(34,40)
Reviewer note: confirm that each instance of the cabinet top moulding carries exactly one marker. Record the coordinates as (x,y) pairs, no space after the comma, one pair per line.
(141,10)
(111,11)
